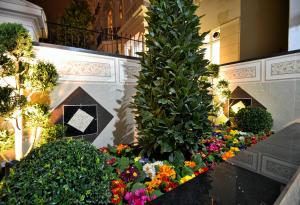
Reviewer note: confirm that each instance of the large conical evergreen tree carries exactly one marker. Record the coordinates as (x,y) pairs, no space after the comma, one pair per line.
(172,100)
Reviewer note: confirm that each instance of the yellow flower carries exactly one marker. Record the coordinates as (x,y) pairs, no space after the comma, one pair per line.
(234,149)
(235,141)
(136,159)
(234,132)
(186,178)
(190,164)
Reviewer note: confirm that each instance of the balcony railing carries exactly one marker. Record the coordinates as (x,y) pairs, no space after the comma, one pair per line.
(106,40)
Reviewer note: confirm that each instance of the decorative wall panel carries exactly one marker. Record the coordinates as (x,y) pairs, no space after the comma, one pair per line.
(280,170)
(283,67)
(244,72)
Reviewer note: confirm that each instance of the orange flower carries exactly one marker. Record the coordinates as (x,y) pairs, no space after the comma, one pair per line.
(227,155)
(121,147)
(227,137)
(116,182)
(190,164)
(166,171)
(152,185)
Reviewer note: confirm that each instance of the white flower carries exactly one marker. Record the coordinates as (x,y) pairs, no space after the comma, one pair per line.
(242,138)
(158,163)
(150,170)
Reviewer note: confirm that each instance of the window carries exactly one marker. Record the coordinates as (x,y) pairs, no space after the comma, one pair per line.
(212,45)
(110,19)
(121,10)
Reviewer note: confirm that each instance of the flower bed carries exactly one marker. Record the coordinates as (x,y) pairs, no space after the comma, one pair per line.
(138,180)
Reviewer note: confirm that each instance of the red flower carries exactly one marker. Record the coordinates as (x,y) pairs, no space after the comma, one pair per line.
(111,161)
(104,150)
(201,171)
(118,191)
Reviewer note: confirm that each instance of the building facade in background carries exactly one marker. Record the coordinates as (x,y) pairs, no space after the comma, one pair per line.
(239,29)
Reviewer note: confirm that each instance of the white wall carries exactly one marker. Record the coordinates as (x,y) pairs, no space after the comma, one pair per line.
(274,82)
(294,26)
(23,12)
(109,80)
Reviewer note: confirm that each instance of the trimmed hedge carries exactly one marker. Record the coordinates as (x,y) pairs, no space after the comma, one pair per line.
(254,119)
(60,172)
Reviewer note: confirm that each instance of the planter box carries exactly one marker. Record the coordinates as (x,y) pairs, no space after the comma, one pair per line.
(227,184)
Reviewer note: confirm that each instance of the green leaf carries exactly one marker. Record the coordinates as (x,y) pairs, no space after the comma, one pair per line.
(166,148)
(187,171)
(137,186)
(124,163)
(178,158)
(156,193)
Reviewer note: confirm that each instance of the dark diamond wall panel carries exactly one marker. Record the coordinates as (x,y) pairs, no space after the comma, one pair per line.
(82,115)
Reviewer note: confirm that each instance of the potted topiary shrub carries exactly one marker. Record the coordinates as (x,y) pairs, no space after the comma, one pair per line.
(254,119)
(172,102)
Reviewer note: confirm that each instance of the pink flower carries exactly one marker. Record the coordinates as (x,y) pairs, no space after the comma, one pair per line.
(138,197)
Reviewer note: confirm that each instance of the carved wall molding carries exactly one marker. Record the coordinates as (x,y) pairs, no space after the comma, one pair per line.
(280,170)
(79,66)
(244,72)
(241,73)
(85,68)
(283,67)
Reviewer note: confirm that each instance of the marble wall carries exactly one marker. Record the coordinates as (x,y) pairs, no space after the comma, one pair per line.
(291,193)
(274,82)
(88,78)
(31,16)
(294,25)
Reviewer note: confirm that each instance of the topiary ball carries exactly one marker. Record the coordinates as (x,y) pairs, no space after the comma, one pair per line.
(254,119)
(60,172)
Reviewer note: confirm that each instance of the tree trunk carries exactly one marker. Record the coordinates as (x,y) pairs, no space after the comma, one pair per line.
(18,128)
(35,136)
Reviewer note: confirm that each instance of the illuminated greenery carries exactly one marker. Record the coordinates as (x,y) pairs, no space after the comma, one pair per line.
(16,57)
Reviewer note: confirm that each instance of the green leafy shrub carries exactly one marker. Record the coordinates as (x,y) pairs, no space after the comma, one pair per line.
(60,172)
(253,119)
(52,133)
(172,102)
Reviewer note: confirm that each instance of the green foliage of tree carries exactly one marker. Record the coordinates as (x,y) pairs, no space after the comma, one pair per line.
(16,40)
(60,172)
(77,14)
(77,18)
(16,57)
(172,102)
(36,115)
(6,141)
(41,77)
